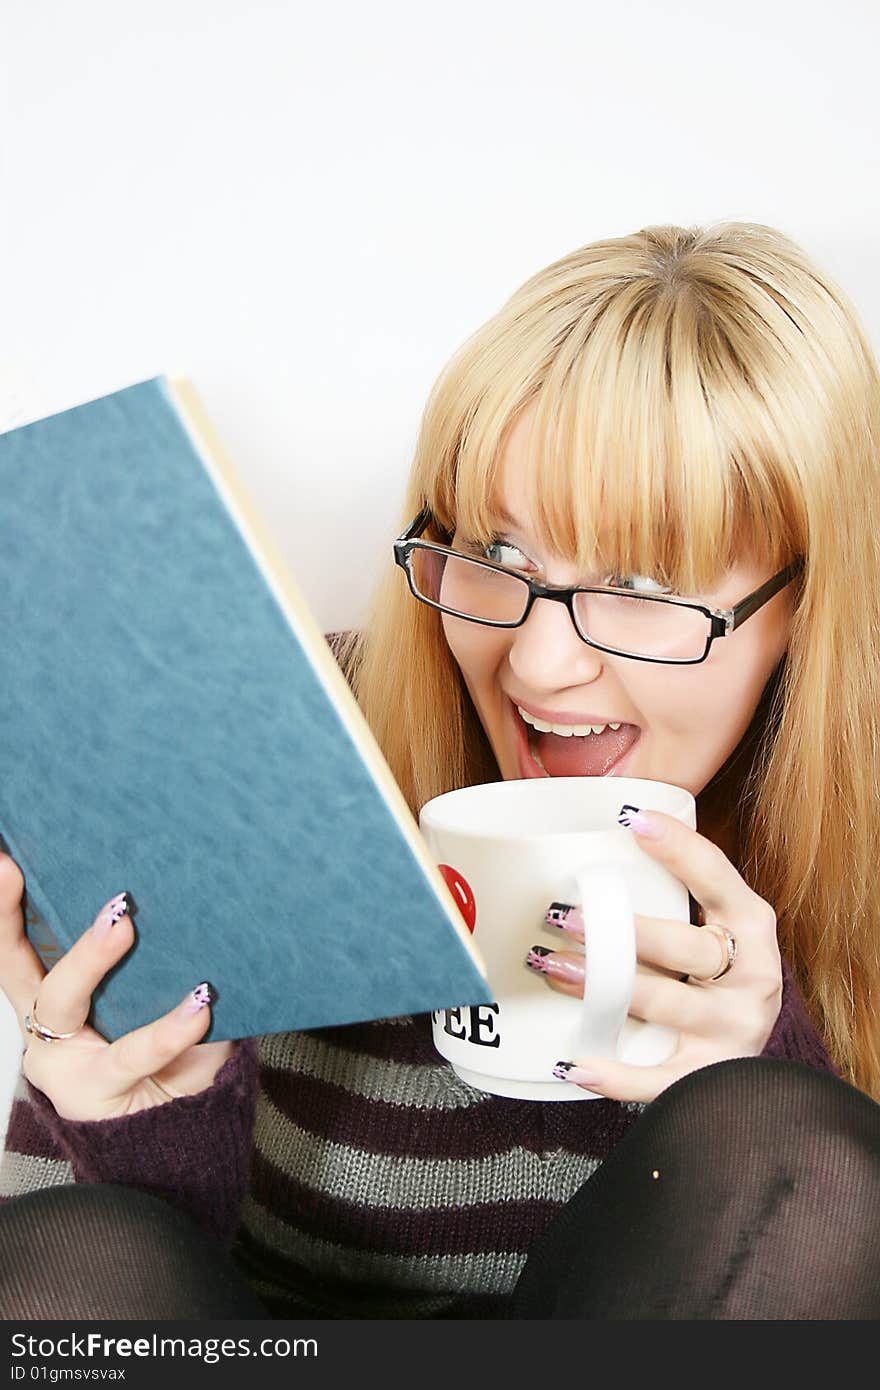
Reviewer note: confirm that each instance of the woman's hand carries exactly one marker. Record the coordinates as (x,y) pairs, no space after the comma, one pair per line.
(729,1017)
(85,1077)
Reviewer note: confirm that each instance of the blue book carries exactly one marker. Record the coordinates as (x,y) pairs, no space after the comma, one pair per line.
(173,723)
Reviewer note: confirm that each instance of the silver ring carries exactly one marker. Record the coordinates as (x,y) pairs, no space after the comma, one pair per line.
(728,941)
(33,1025)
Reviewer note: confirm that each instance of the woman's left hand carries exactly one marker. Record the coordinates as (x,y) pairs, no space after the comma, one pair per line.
(729,1017)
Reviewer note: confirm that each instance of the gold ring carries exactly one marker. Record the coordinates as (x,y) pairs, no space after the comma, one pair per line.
(728,941)
(33,1025)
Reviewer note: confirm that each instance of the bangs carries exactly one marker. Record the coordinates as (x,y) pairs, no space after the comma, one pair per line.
(650,448)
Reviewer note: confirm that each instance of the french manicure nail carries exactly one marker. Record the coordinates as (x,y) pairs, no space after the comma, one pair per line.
(568,1071)
(641,822)
(111,913)
(565,916)
(547,962)
(203,994)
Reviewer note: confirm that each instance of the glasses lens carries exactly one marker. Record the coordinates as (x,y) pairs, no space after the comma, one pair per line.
(642,626)
(462,586)
(625,623)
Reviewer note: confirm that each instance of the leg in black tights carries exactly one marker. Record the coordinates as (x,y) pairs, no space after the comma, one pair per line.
(747,1190)
(94,1252)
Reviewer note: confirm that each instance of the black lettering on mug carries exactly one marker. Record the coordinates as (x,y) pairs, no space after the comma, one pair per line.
(454,1015)
(478,1029)
(479,1025)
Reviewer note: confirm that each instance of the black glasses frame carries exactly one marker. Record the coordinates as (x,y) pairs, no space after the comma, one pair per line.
(722,621)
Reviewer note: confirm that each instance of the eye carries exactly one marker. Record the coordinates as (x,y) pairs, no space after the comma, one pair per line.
(499,551)
(502,552)
(637,583)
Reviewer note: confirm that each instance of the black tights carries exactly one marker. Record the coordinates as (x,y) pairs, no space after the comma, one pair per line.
(750,1189)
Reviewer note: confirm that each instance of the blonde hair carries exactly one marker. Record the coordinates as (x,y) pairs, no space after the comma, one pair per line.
(699,390)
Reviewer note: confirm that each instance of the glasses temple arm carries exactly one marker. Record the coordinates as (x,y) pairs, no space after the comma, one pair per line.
(753,602)
(415,527)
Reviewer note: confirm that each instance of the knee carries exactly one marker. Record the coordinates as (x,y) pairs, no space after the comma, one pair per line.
(770,1103)
(86,1251)
(80,1206)
(776,1079)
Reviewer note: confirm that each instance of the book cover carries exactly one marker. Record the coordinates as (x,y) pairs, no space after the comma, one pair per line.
(173,723)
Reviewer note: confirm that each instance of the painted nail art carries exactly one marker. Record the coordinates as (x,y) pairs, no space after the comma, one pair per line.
(537,958)
(569,1071)
(558,967)
(565,916)
(203,994)
(111,913)
(635,819)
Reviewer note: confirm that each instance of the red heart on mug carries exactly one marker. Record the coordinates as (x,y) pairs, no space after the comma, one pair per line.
(463,893)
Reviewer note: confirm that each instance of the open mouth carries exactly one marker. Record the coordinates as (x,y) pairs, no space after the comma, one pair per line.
(576,755)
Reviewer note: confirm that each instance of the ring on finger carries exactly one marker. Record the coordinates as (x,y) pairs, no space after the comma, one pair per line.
(729,946)
(33,1025)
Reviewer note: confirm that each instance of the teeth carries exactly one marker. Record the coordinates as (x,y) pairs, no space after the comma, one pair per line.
(565,730)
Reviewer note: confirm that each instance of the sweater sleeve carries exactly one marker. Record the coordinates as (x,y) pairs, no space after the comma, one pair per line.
(192,1152)
(794,1035)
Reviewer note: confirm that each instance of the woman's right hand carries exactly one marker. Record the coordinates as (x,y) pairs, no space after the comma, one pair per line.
(85,1077)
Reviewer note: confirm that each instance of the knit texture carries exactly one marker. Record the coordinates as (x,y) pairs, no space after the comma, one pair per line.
(193,1152)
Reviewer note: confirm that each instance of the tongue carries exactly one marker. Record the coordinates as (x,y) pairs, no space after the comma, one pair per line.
(588,756)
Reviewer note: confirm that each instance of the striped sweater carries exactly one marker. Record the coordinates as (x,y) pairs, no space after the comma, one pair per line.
(349,1171)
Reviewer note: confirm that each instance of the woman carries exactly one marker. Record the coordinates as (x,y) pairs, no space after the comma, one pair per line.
(681,414)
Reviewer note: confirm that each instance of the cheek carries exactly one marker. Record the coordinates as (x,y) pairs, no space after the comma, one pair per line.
(720,704)
(456,640)
(477,650)
(714,701)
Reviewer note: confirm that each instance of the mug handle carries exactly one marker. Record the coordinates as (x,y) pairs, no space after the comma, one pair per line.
(610,957)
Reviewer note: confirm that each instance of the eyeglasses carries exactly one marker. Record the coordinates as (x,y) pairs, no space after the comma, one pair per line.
(642,627)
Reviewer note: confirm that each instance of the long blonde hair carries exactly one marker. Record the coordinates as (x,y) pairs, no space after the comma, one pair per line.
(699,390)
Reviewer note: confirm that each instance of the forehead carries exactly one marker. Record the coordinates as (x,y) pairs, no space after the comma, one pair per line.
(524,494)
(518,498)
(514,457)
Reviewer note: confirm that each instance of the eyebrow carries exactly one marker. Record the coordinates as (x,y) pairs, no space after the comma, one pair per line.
(502,515)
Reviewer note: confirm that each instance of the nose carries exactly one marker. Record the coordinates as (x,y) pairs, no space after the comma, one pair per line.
(547,653)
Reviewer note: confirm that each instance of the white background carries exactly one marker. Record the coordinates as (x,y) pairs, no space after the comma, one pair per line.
(306,207)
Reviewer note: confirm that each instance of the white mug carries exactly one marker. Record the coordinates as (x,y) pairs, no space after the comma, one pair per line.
(507,850)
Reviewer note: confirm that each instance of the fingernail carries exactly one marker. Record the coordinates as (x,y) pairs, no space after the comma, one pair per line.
(111,913)
(641,822)
(568,1071)
(547,962)
(566,916)
(202,994)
